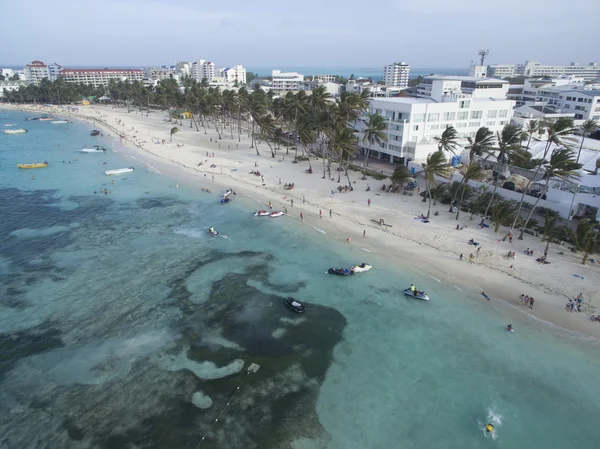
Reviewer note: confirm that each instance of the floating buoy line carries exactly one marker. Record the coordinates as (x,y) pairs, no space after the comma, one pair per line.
(253,368)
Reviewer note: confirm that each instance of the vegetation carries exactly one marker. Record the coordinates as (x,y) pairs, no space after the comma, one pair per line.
(447,141)
(173,131)
(587,238)
(587,128)
(401,175)
(473,172)
(373,134)
(502,213)
(414,82)
(436,165)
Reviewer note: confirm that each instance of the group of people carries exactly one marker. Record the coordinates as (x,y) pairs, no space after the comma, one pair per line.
(528,300)
(511,255)
(573,304)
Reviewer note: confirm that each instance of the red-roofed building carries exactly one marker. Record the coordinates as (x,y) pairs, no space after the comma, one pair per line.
(100,77)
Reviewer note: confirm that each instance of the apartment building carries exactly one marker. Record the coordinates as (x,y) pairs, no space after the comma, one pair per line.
(501,70)
(100,77)
(286,81)
(439,87)
(36,71)
(590,72)
(414,122)
(396,74)
(235,74)
(202,69)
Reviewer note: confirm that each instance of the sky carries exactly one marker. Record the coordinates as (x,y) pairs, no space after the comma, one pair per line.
(308,33)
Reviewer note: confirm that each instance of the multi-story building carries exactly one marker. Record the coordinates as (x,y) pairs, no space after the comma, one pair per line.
(208,70)
(160,73)
(286,81)
(396,74)
(590,72)
(412,123)
(334,89)
(11,85)
(327,78)
(100,77)
(235,74)
(202,69)
(439,87)
(184,68)
(54,70)
(478,71)
(36,71)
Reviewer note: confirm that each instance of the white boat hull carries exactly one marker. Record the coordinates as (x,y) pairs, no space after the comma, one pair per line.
(261,214)
(57,122)
(119,171)
(359,269)
(276,214)
(90,150)
(421,295)
(15,131)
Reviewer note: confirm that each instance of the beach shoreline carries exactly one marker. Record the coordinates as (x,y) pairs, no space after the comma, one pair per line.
(432,248)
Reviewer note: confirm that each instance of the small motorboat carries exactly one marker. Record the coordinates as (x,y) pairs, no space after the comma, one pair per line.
(9,124)
(361,268)
(94,149)
(33,118)
(46,119)
(36,165)
(276,214)
(211,231)
(227,193)
(416,294)
(340,271)
(58,122)
(225,200)
(295,305)
(262,213)
(119,171)
(15,131)
(95,132)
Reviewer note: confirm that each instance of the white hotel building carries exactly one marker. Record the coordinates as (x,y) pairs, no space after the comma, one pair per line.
(100,77)
(396,74)
(286,81)
(590,72)
(466,103)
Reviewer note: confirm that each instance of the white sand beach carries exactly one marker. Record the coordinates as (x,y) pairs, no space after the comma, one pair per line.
(432,247)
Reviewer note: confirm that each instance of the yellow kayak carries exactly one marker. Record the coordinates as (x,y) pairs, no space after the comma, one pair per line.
(38,165)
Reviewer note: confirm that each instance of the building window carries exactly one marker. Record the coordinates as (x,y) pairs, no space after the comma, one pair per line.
(415,127)
(461,125)
(434,117)
(503,114)
(433,126)
(474,124)
(567,106)
(492,123)
(502,122)
(464,104)
(476,114)
(449,115)
(417,118)
(492,114)
(464,115)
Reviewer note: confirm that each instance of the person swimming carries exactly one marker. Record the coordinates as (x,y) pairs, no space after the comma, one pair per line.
(509,328)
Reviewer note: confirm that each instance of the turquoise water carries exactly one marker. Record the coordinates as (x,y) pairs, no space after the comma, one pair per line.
(116,310)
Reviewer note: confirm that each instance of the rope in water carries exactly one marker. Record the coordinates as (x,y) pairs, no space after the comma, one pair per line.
(224,409)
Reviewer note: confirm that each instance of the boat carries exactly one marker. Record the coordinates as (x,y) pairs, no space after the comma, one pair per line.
(212,232)
(36,165)
(34,118)
(14,131)
(57,122)
(340,271)
(262,213)
(119,171)
(94,149)
(276,214)
(416,294)
(9,124)
(227,193)
(95,132)
(226,200)
(295,305)
(46,119)
(361,268)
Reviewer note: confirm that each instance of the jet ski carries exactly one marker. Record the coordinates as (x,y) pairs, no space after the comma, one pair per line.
(416,294)
(276,214)
(361,268)
(340,271)
(295,305)
(226,200)
(213,232)
(227,193)
(262,213)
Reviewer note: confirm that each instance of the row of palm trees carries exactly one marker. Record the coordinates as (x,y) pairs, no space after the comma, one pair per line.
(558,159)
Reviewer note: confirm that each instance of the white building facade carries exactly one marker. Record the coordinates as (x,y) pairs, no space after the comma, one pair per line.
(439,87)
(590,72)
(414,122)
(100,77)
(11,86)
(36,71)
(235,74)
(396,74)
(286,81)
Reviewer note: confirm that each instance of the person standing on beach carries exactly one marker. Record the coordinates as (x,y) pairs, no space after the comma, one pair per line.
(292,202)
(531,301)
(301,216)
(461,256)
(510,237)
(471,258)
(262,178)
(303,199)
(270,205)
(320,213)
(364,233)
(330,213)
(369,202)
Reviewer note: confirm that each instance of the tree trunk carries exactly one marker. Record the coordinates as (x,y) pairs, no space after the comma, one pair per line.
(252,140)
(580,147)
(485,214)
(428,187)
(533,210)
(364,176)
(461,200)
(217,128)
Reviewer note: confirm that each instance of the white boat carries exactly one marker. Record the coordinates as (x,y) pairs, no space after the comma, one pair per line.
(262,213)
(276,214)
(14,131)
(119,171)
(361,268)
(46,119)
(92,150)
(57,122)
(416,294)
(227,193)
(9,124)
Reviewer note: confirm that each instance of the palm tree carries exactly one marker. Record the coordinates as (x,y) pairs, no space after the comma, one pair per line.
(438,190)
(482,143)
(318,99)
(558,134)
(447,141)
(173,131)
(562,165)
(401,175)
(533,126)
(586,238)
(509,141)
(343,145)
(502,213)
(473,172)
(587,128)
(373,134)
(436,164)
(550,229)
(267,131)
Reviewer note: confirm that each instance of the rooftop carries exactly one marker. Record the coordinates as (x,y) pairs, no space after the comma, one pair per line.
(473,79)
(406,100)
(101,70)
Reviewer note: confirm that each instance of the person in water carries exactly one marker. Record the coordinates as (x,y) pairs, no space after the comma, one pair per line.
(509,328)
(489,428)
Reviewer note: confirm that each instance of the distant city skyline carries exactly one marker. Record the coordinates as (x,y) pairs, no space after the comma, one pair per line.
(136,33)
